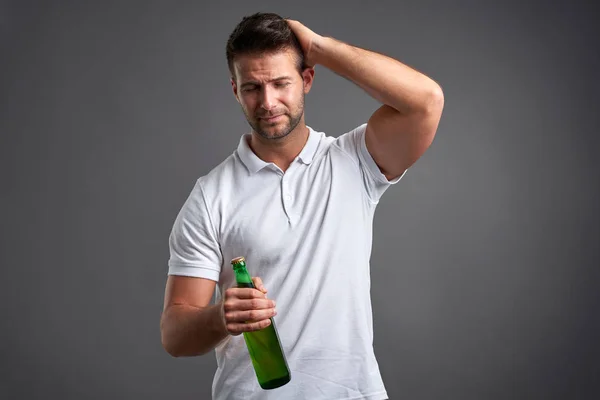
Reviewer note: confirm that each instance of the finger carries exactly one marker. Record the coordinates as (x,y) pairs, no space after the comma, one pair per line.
(249,316)
(247,304)
(258,283)
(244,293)
(253,304)
(235,328)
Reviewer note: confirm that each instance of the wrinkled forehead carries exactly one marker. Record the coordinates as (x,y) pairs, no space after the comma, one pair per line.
(263,66)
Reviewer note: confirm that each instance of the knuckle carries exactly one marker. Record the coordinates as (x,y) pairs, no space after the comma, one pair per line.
(234,329)
(228,305)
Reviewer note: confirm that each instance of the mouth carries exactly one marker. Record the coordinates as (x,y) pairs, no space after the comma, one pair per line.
(272,119)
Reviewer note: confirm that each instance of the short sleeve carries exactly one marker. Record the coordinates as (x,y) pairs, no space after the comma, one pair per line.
(193,245)
(354,144)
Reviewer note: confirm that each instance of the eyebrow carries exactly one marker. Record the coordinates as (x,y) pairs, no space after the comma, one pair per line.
(279,78)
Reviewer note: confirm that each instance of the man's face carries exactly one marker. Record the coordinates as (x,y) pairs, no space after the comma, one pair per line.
(271,92)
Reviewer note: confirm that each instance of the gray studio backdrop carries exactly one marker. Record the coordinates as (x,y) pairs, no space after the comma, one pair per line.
(485,258)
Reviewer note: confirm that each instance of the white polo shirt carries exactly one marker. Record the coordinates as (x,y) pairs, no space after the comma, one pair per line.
(307,233)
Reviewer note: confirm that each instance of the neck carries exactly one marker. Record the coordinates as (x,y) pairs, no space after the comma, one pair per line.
(280,152)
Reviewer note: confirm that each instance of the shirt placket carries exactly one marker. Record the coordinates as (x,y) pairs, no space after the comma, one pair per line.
(288,195)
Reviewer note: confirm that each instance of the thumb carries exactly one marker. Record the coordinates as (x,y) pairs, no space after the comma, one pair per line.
(259,284)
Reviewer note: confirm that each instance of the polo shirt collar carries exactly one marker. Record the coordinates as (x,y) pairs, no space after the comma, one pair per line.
(255,164)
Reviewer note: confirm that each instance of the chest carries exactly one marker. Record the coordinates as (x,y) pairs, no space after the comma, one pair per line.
(281,220)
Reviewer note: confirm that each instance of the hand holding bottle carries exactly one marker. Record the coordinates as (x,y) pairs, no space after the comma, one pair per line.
(247,309)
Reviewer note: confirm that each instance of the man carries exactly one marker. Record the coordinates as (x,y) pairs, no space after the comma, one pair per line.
(298,205)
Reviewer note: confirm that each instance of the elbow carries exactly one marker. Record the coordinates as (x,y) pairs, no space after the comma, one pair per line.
(177,351)
(167,339)
(429,102)
(168,344)
(170,349)
(176,347)
(434,103)
(171,352)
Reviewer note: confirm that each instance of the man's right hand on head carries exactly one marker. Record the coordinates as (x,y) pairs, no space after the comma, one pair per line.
(247,309)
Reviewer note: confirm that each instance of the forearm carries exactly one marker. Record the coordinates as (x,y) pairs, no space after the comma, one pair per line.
(190,331)
(385,79)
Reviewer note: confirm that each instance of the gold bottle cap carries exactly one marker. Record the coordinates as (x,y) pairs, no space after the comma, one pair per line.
(237,260)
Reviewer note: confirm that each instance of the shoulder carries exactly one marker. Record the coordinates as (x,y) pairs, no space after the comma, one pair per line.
(209,188)
(224,174)
(346,144)
(349,141)
(342,138)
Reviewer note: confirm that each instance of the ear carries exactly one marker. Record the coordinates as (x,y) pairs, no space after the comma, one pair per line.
(234,88)
(308,76)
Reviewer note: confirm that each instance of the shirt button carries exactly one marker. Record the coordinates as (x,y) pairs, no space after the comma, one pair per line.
(288,197)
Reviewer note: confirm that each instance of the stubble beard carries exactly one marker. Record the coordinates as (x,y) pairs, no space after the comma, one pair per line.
(292,122)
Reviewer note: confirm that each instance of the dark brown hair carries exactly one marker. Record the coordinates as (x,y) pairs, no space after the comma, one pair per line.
(262,33)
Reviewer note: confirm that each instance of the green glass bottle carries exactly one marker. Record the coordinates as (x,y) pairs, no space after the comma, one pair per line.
(264,346)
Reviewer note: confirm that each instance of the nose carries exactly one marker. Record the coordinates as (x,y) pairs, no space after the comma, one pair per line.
(268,98)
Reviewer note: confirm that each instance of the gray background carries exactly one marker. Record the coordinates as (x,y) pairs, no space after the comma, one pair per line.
(485,258)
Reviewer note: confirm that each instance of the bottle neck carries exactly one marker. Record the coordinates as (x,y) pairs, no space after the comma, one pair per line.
(241,274)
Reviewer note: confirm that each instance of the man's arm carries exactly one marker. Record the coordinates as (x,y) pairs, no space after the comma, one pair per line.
(189,326)
(400,131)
